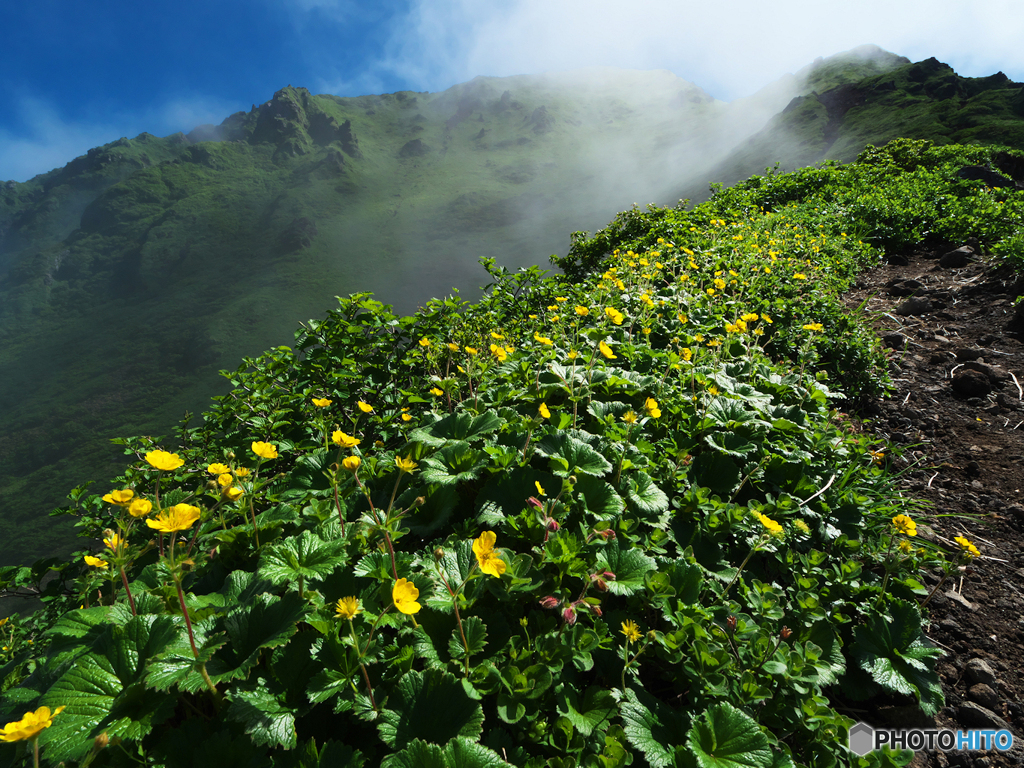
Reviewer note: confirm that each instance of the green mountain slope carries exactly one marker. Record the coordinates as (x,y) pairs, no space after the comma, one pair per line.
(131,276)
(925,100)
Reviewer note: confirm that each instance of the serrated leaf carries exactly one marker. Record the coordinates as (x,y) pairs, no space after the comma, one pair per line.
(652,727)
(593,712)
(600,497)
(730,444)
(377,565)
(305,556)
(267,721)
(644,496)
(267,623)
(568,455)
(715,471)
(476,638)
(458,426)
(454,463)
(725,737)
(430,705)
(176,664)
(629,566)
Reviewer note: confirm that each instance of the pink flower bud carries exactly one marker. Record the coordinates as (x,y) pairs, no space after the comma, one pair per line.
(609,575)
(601,584)
(534,502)
(569,615)
(550,602)
(551,524)
(607,534)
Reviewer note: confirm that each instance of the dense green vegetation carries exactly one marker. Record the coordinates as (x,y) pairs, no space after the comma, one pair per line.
(129,277)
(610,517)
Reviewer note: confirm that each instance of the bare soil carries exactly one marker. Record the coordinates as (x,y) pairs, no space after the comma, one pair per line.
(957,360)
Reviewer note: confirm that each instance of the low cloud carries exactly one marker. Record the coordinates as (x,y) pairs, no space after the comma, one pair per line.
(730,49)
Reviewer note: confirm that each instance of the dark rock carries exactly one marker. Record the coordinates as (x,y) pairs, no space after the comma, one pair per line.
(983,694)
(895,340)
(995,374)
(969,353)
(897,260)
(976,716)
(971,384)
(918,305)
(981,173)
(961,257)
(979,671)
(414,148)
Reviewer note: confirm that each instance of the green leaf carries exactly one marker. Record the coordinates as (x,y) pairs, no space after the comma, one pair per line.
(176,664)
(644,496)
(267,721)
(457,753)
(304,556)
(601,499)
(895,655)
(269,622)
(725,737)
(440,501)
(652,727)
(456,427)
(594,712)
(476,638)
(715,471)
(454,463)
(568,455)
(629,566)
(730,444)
(430,705)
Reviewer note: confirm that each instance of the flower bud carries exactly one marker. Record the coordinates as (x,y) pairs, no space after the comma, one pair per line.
(231,455)
(550,602)
(438,554)
(100,742)
(731,623)
(420,501)
(551,524)
(601,584)
(534,502)
(607,534)
(573,480)
(609,575)
(785,633)
(569,615)
(108,533)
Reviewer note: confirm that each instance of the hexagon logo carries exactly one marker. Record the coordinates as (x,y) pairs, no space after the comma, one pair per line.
(861,738)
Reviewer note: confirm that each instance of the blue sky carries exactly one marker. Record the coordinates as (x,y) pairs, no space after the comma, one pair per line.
(75,75)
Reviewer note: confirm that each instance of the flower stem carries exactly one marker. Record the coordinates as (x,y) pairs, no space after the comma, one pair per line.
(131,600)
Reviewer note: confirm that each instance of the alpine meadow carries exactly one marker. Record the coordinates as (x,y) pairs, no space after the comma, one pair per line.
(622,511)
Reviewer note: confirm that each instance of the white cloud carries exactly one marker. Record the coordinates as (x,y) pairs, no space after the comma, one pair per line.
(729,48)
(48,140)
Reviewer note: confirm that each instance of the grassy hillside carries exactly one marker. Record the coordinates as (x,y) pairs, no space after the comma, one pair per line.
(607,517)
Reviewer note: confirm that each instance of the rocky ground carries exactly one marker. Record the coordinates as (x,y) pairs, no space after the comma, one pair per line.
(958,412)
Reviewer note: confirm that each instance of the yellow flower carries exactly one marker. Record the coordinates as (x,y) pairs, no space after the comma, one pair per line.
(471,350)
(543,411)
(96,562)
(342,440)
(405,465)
(180,517)
(801,526)
(905,546)
(347,607)
(712,391)
(631,631)
(436,392)
(499,353)
(614,315)
(218,469)
(799,276)
(321,402)
(582,311)
(30,725)
(424,342)
(540,488)
(404,595)
(406,417)
(164,461)
(453,347)
(573,354)
(561,298)
(490,562)
(542,339)
(967,547)
(607,351)
(264,450)
(120,498)
(351,463)
(687,354)
(140,508)
(112,542)
(241,472)
(629,417)
(364,407)
(904,525)
(750,317)
(719,283)
(497,336)
(233,493)
(773,527)
(813,327)
(651,406)
(225,480)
